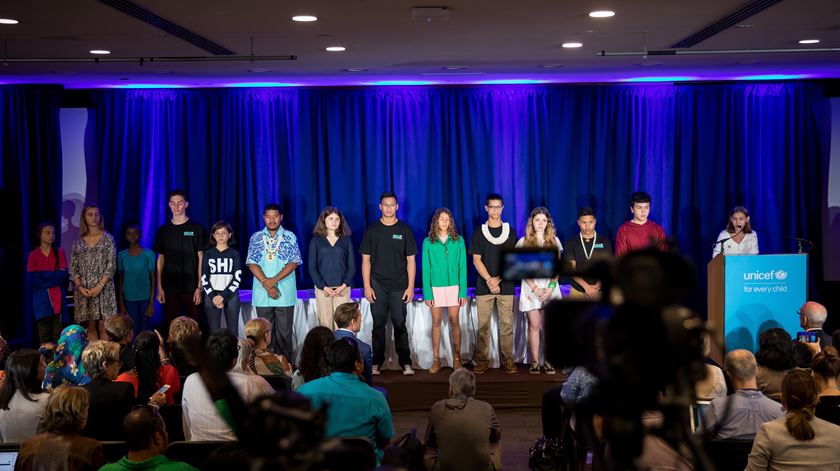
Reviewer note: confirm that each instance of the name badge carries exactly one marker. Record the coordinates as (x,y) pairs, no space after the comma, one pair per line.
(397,237)
(599,246)
(189,233)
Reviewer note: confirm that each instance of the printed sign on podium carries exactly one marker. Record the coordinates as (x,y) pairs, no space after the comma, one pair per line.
(749,294)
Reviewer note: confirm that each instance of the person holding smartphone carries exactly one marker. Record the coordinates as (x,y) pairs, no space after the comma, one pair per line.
(534,293)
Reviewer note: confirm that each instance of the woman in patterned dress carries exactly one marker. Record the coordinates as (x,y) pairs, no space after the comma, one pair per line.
(93,261)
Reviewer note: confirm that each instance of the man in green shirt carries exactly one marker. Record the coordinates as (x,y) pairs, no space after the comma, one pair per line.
(147,441)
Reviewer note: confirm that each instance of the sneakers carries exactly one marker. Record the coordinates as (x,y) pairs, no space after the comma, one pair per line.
(480,368)
(407,370)
(535,368)
(509,367)
(435,367)
(549,370)
(374,370)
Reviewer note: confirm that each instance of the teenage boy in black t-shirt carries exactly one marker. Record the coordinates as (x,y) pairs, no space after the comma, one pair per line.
(588,246)
(388,249)
(486,247)
(179,244)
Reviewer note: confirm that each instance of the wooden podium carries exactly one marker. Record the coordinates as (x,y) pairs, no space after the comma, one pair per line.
(749,293)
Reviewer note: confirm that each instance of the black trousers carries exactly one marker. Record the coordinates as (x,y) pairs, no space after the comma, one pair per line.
(49,329)
(389,304)
(282,321)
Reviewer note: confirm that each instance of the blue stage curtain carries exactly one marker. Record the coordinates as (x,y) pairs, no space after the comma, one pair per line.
(30,181)
(697,149)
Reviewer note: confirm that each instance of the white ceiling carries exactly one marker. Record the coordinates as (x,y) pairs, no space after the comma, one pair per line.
(491,38)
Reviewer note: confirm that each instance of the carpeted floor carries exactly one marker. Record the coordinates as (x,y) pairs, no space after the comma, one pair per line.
(520,428)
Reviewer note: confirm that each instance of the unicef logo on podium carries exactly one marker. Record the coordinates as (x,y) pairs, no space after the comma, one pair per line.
(770,275)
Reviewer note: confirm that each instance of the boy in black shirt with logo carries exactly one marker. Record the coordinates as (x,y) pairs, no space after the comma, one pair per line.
(388,250)
(179,244)
(588,246)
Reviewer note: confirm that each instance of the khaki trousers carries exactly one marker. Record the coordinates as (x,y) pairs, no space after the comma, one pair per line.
(325,306)
(504,306)
(581,296)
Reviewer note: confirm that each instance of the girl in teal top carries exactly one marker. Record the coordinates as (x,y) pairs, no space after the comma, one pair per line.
(445,281)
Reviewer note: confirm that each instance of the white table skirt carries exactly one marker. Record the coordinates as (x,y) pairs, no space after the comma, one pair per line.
(419,326)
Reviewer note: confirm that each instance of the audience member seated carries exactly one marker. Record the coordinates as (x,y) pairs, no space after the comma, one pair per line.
(463,432)
(354,409)
(202,421)
(22,401)
(180,330)
(120,329)
(348,320)
(149,375)
(66,366)
(740,415)
(802,355)
(147,442)
(714,384)
(313,356)
(262,361)
(61,447)
(109,400)
(775,359)
(826,369)
(797,441)
(243,357)
(812,317)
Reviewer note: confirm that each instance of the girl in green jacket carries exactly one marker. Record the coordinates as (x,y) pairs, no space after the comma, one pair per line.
(445,281)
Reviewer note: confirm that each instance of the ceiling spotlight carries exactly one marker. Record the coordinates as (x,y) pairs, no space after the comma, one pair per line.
(336,49)
(809,41)
(100,51)
(455,67)
(551,66)
(572,45)
(356,69)
(8,21)
(304,18)
(601,14)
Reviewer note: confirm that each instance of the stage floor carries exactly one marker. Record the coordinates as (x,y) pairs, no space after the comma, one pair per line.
(502,390)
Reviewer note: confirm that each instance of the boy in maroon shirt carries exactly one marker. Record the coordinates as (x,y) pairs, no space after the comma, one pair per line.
(640,232)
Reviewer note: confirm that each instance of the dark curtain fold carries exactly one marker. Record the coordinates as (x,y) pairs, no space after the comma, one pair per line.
(30,190)
(697,149)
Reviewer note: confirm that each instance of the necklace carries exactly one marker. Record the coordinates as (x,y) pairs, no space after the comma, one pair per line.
(272,245)
(496,240)
(592,250)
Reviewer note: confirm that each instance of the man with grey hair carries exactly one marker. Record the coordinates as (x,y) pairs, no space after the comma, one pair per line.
(812,316)
(740,415)
(463,432)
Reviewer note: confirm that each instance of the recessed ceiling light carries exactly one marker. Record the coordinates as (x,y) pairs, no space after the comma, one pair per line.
(744,26)
(455,67)
(551,66)
(8,21)
(356,69)
(572,45)
(305,18)
(602,14)
(336,49)
(259,71)
(809,41)
(100,51)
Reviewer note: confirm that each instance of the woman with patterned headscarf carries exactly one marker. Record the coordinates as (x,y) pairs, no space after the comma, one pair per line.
(66,366)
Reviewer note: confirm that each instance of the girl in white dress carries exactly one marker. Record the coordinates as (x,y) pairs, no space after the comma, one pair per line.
(535,293)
